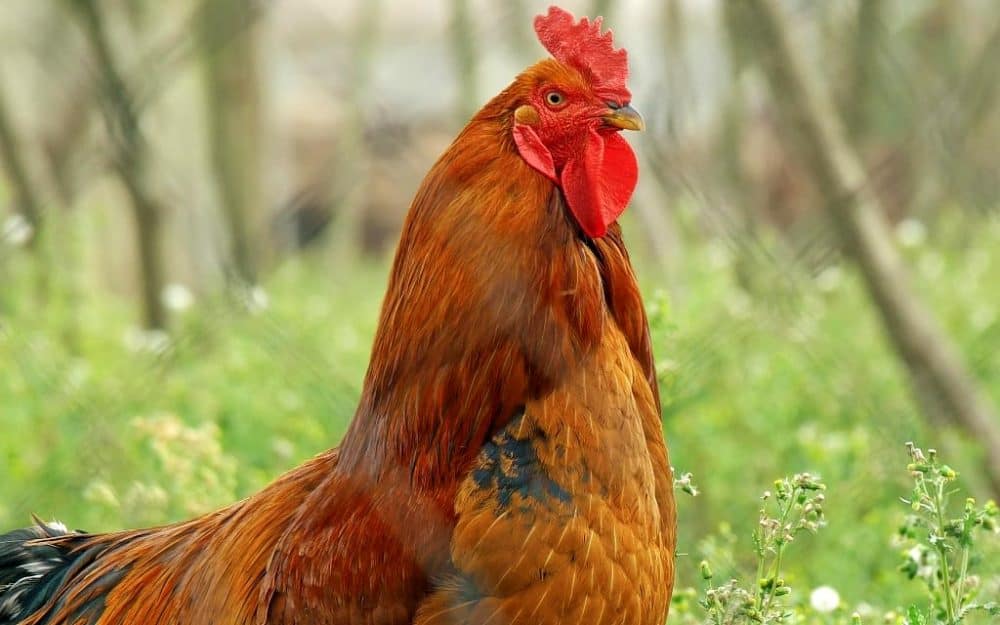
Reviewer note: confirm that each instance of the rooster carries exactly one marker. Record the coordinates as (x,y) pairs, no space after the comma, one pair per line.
(506,463)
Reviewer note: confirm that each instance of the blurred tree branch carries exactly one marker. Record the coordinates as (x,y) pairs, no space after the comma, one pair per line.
(11,155)
(864,68)
(973,105)
(937,373)
(63,138)
(660,226)
(231,86)
(466,57)
(145,77)
(984,86)
(352,169)
(130,159)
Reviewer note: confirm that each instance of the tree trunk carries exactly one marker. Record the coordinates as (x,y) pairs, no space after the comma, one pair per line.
(864,69)
(352,168)
(464,51)
(130,155)
(653,208)
(937,373)
(980,88)
(232,103)
(27,201)
(11,156)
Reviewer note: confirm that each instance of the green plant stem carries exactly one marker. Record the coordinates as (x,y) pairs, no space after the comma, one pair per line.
(766,597)
(939,545)
(777,570)
(760,574)
(961,577)
(781,548)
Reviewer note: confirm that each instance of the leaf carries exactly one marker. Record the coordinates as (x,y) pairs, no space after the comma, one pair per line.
(914,616)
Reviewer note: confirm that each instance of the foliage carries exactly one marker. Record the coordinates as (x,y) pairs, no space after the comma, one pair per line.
(943,551)
(795,506)
(943,548)
(106,426)
(792,370)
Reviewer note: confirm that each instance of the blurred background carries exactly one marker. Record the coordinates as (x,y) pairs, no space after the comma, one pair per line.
(199,200)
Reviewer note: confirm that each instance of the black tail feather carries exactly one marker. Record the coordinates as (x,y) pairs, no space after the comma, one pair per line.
(31,568)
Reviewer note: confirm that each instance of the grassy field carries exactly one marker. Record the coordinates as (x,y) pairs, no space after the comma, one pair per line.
(103,428)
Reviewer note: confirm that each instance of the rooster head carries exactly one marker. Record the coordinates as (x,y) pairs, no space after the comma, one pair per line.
(570,111)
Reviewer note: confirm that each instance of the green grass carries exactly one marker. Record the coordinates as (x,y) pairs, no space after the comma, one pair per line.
(275,387)
(792,376)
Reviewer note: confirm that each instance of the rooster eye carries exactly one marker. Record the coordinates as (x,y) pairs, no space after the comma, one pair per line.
(554,98)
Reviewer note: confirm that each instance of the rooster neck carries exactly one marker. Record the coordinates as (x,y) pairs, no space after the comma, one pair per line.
(493,297)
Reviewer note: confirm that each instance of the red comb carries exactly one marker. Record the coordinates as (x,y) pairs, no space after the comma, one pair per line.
(582,46)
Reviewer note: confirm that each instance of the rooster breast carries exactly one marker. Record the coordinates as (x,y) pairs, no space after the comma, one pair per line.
(559,520)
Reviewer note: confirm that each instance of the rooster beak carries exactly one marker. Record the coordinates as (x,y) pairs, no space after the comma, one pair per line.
(624,117)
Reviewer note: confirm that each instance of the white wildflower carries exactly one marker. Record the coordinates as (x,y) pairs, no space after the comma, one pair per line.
(177,297)
(16,230)
(151,341)
(824,599)
(866,610)
(829,279)
(911,232)
(257,299)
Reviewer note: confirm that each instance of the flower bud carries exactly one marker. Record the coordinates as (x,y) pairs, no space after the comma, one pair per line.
(706,571)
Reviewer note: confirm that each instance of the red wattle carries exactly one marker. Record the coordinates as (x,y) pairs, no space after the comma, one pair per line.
(599,182)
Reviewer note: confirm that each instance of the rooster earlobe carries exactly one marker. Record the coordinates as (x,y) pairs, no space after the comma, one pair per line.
(533,151)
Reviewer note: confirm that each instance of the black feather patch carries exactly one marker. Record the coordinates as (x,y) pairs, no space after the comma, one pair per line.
(34,563)
(508,464)
(25,567)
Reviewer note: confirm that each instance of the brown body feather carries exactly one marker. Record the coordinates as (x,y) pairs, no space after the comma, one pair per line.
(506,459)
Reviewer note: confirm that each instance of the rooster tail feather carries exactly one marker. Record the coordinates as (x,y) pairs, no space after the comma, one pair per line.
(32,568)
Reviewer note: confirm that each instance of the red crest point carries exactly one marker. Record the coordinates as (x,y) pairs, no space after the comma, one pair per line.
(582,46)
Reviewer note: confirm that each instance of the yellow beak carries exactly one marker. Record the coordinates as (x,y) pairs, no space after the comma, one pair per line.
(625,118)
